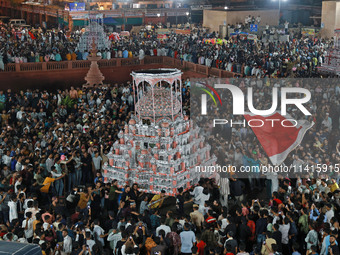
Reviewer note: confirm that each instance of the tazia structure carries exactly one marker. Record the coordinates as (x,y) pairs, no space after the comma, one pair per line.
(159,148)
(94,75)
(94,32)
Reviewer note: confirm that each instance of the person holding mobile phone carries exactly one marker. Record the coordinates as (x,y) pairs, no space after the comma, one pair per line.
(267,244)
(129,246)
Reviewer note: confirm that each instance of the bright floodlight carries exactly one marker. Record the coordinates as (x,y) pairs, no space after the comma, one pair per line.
(187,13)
(158,15)
(225,7)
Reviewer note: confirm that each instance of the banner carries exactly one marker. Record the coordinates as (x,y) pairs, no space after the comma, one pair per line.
(182,31)
(162,31)
(75,7)
(177,13)
(200,7)
(308,31)
(154,14)
(133,14)
(162,37)
(215,41)
(113,15)
(95,16)
(77,16)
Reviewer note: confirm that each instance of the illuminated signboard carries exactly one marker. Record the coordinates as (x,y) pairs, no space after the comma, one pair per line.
(75,7)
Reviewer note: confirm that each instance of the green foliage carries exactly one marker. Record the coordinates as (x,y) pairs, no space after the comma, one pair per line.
(68,102)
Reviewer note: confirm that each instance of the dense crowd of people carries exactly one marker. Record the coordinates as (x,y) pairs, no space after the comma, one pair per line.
(42,133)
(236,144)
(53,145)
(296,56)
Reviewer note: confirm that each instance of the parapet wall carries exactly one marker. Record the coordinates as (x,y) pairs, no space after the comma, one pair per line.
(61,75)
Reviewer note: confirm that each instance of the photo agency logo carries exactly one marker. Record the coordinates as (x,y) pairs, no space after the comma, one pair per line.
(278,112)
(273,115)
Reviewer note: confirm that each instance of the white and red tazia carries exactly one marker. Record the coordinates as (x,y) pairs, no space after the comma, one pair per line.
(278,141)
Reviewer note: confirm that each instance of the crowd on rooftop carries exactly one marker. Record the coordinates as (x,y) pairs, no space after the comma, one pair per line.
(298,56)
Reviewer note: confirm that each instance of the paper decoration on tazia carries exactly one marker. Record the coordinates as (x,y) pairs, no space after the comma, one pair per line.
(160,147)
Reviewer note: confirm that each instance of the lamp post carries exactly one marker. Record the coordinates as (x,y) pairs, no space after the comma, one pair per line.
(176,14)
(279,8)
(225,22)
(188,13)
(124,18)
(158,15)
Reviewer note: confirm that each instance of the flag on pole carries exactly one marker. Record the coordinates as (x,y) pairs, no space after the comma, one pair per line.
(32,35)
(277,140)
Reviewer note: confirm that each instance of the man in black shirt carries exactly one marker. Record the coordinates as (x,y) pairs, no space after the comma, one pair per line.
(333,249)
(71,172)
(278,237)
(180,202)
(86,161)
(237,187)
(261,228)
(243,231)
(121,243)
(230,242)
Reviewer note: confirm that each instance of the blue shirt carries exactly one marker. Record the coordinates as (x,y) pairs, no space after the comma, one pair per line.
(125,54)
(253,163)
(155,222)
(13,163)
(79,55)
(187,239)
(57,57)
(315,217)
(2,98)
(85,55)
(71,234)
